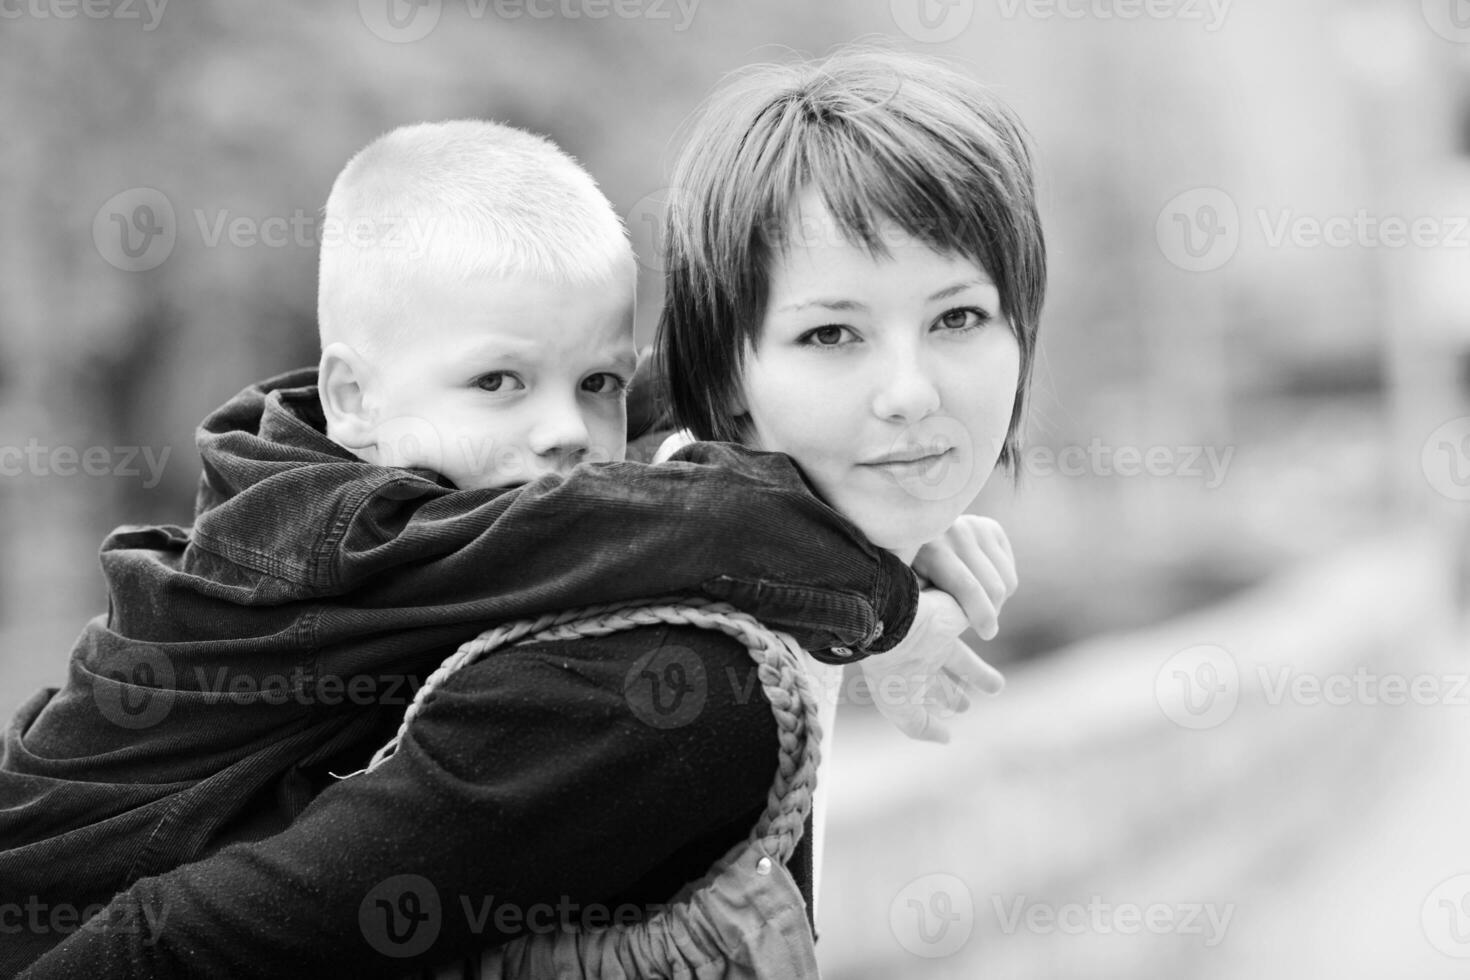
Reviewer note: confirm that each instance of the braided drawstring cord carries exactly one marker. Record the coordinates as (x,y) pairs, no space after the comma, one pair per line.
(779,668)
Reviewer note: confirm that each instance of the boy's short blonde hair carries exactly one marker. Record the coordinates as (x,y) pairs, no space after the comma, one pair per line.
(433,204)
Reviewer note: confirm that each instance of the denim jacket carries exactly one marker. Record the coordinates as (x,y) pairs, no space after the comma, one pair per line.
(281,636)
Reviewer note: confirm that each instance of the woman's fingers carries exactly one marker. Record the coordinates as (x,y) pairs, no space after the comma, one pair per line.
(950,574)
(982,564)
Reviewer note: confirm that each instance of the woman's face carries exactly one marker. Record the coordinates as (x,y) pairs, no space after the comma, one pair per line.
(889,380)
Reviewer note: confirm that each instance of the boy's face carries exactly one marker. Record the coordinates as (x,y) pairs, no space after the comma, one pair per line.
(501,381)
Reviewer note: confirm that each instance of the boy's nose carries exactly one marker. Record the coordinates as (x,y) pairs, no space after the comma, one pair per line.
(563,434)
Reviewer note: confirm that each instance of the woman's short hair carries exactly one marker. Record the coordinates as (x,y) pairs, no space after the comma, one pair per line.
(882,137)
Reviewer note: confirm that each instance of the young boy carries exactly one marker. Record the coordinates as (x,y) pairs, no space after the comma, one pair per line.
(354,525)
(477,310)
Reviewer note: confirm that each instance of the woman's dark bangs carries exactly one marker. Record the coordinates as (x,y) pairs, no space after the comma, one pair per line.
(866,186)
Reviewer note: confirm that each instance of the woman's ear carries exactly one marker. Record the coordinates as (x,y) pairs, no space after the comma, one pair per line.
(342,379)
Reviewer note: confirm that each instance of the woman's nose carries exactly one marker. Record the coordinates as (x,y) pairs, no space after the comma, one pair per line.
(906,390)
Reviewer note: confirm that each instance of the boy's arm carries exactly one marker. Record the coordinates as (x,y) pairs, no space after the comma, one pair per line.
(718,520)
(529,783)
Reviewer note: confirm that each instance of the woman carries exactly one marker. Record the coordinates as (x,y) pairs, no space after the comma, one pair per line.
(855,274)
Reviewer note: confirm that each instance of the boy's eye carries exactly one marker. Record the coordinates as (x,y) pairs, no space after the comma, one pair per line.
(498,381)
(964,318)
(604,383)
(828,336)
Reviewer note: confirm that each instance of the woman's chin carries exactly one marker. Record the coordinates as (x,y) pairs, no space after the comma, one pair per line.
(905,535)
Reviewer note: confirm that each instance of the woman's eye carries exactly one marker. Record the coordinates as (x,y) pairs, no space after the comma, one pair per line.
(823,337)
(498,381)
(964,318)
(604,383)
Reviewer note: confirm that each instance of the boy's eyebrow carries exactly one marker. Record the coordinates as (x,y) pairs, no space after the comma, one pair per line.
(850,305)
(500,347)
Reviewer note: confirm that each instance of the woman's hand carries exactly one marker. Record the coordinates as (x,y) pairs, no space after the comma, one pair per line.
(927,676)
(973,562)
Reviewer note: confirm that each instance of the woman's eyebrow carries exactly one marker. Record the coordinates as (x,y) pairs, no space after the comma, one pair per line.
(960,287)
(837,305)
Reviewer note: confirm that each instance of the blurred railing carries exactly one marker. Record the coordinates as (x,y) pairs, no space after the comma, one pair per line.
(1077,789)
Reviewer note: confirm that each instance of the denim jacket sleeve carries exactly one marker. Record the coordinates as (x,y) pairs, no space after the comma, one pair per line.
(718,520)
(531,781)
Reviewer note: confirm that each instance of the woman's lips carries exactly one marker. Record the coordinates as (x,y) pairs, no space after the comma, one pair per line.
(903,466)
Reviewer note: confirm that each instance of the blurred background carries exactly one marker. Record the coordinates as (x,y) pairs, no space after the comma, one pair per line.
(1236,738)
